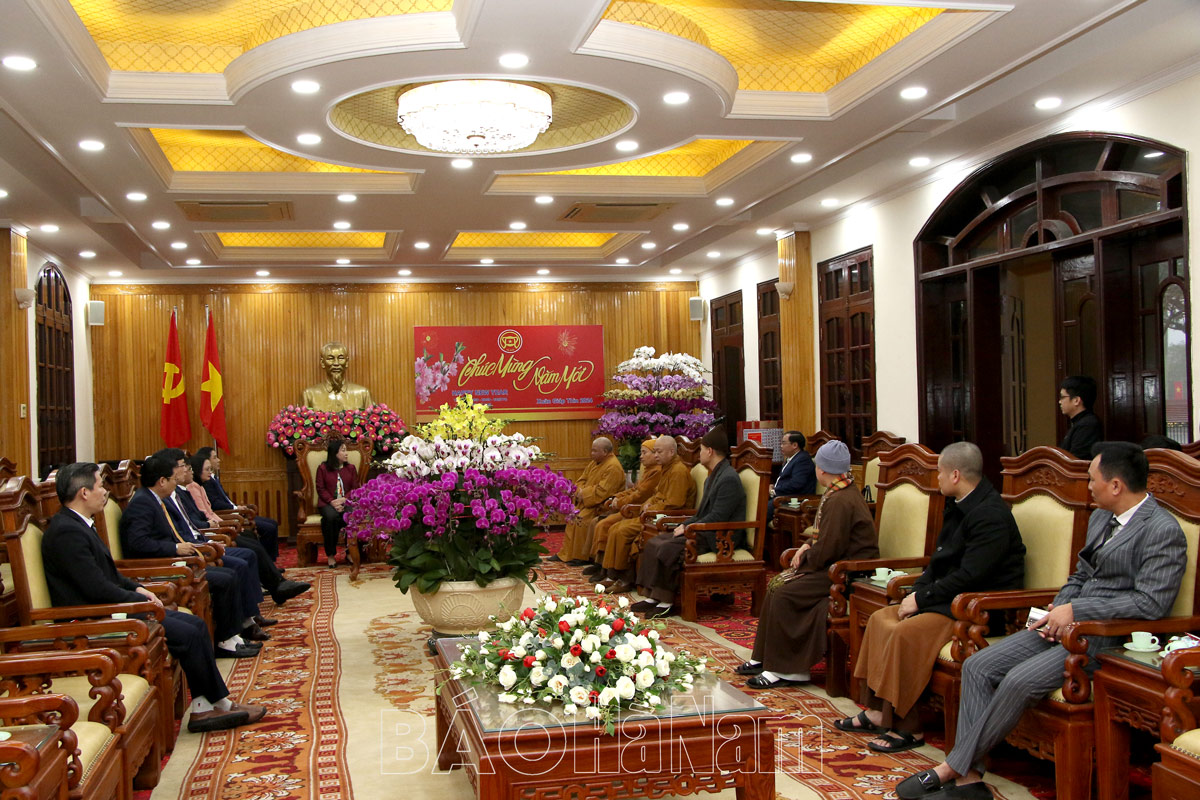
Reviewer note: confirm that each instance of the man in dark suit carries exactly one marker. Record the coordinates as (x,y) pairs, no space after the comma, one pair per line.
(149,529)
(799,475)
(266,528)
(1076,396)
(79,571)
(724,501)
(1130,567)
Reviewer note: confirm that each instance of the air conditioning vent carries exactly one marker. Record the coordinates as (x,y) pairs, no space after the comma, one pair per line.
(614,212)
(225,211)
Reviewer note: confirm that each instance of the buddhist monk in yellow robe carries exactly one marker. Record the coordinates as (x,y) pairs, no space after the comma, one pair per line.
(610,512)
(675,491)
(601,480)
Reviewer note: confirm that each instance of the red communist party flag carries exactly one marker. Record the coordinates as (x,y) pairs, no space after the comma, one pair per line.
(212,393)
(174,428)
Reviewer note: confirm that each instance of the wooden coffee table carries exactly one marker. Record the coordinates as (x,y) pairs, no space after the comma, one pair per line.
(711,739)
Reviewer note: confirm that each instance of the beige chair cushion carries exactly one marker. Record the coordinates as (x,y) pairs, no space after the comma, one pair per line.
(1045,526)
(738,555)
(1057,696)
(903,521)
(35,574)
(134,689)
(699,476)
(312,519)
(112,524)
(95,739)
(1183,600)
(871,474)
(1188,742)
(752,484)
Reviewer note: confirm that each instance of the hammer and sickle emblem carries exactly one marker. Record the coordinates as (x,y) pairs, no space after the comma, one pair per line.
(171,387)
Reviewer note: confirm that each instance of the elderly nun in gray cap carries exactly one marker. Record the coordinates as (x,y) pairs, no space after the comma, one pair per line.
(791,629)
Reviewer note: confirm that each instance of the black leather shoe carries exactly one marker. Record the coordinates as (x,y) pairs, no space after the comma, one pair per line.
(578,562)
(553,558)
(264,622)
(254,633)
(241,652)
(215,720)
(286,590)
(593,571)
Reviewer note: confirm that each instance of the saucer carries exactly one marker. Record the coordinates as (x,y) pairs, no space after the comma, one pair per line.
(1151,649)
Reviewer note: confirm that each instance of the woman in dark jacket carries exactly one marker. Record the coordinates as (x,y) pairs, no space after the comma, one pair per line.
(335,479)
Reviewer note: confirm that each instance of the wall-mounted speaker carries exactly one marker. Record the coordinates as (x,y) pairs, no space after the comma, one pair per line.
(95,312)
(695,308)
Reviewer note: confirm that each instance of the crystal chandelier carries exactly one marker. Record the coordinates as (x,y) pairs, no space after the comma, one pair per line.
(475,116)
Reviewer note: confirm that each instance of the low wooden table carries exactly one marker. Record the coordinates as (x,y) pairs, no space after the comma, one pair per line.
(790,522)
(711,739)
(50,780)
(867,596)
(1128,692)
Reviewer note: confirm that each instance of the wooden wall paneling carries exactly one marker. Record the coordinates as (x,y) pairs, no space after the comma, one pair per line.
(270,336)
(15,438)
(797,330)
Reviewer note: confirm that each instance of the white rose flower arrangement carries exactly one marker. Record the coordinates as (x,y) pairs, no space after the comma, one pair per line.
(594,658)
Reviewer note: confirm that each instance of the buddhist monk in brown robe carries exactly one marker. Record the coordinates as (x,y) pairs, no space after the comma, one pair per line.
(610,512)
(675,491)
(791,628)
(601,480)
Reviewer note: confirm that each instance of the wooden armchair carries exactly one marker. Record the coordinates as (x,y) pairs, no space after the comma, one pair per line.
(815,440)
(688,451)
(1048,492)
(309,456)
(873,447)
(8,468)
(36,765)
(908,516)
(1177,776)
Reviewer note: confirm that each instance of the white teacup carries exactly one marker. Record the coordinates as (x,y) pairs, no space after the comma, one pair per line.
(793,503)
(120,615)
(1144,640)
(882,573)
(1177,643)
(178,563)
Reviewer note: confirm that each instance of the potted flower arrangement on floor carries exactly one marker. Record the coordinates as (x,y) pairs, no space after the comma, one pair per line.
(594,658)
(460,504)
(664,395)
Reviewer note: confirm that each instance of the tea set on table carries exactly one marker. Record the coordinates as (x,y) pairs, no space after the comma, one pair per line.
(1146,642)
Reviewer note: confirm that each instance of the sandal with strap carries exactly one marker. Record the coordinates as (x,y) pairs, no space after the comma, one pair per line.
(749,668)
(897,742)
(864,724)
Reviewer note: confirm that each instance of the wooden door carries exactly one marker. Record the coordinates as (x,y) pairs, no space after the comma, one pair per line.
(729,383)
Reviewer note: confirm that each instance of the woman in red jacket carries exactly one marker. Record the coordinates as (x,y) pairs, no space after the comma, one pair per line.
(335,479)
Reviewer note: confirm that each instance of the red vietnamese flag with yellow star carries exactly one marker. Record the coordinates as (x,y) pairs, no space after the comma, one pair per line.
(212,391)
(174,427)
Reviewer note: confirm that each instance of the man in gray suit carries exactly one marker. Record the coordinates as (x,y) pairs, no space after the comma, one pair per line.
(1130,567)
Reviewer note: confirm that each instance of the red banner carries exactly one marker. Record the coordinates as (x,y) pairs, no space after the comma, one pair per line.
(521,371)
(212,390)
(174,426)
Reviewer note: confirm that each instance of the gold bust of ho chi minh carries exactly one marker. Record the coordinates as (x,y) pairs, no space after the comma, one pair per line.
(336,393)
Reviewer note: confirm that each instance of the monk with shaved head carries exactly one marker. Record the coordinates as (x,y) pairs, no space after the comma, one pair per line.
(601,480)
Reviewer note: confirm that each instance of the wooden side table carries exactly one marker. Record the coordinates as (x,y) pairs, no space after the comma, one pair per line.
(49,780)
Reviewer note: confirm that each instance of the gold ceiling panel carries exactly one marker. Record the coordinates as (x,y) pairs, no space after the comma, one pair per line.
(307,239)
(205,35)
(580,115)
(531,239)
(233,151)
(780,46)
(693,160)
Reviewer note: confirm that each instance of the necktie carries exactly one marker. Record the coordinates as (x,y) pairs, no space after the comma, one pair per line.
(174,530)
(1113,524)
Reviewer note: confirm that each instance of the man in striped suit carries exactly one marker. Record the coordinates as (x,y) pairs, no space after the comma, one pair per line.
(1130,567)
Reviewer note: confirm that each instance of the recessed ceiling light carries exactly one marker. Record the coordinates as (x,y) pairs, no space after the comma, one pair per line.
(3,193)
(829,202)
(404,273)
(262,273)
(801,158)
(543,271)
(87,253)
(681,226)
(1154,154)
(486,261)
(627,145)
(179,245)
(516,226)
(49,228)
(193,262)
(347,198)
(343,261)
(114,273)
(713,253)
(919,161)
(91,145)
(765,231)
(160,225)
(675,270)
(461,163)
(1047,103)
(421,245)
(914,92)
(622,260)
(543,199)
(19,63)
(305,87)
(136,197)
(648,245)
(308,138)
(676,98)
(341,225)
(514,60)
(724,201)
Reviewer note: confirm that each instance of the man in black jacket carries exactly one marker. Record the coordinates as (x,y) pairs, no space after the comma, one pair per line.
(1076,396)
(979,548)
(79,572)
(724,501)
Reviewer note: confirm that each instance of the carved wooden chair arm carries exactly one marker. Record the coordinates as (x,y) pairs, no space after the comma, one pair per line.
(900,585)
(725,544)
(22,760)
(31,671)
(1178,716)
